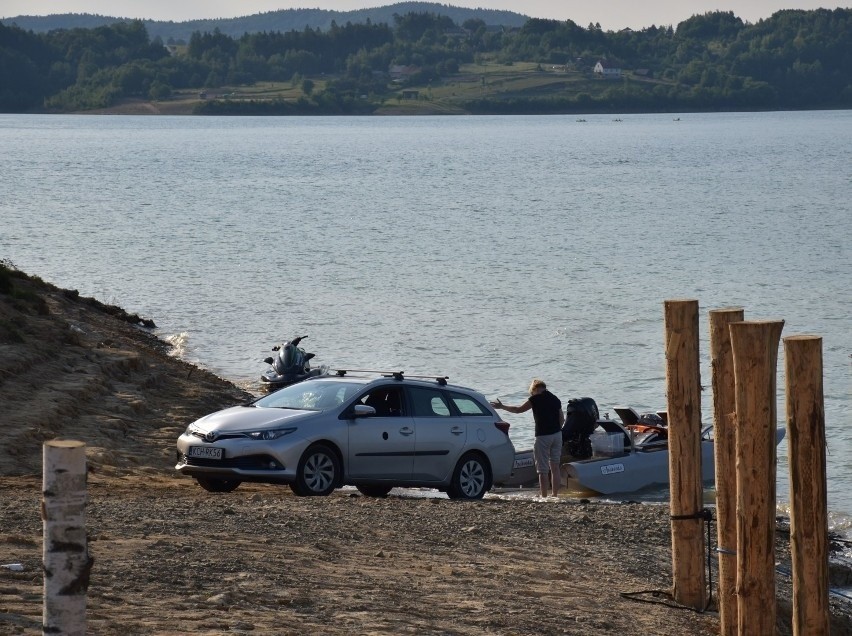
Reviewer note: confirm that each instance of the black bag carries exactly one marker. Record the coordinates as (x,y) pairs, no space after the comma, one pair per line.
(581,419)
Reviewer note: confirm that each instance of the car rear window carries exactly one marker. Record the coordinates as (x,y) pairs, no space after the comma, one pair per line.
(429,403)
(467,405)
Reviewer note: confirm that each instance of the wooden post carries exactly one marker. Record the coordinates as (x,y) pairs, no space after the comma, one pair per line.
(755,349)
(808,499)
(725,454)
(65,552)
(683,388)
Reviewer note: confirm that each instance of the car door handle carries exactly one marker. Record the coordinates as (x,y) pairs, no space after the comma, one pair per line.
(406,430)
(455,430)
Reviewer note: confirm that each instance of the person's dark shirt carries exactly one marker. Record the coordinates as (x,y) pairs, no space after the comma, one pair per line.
(546,408)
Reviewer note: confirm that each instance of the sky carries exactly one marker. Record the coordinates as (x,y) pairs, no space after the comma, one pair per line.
(612,15)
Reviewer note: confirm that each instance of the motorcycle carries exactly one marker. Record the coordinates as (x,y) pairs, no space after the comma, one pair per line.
(290,365)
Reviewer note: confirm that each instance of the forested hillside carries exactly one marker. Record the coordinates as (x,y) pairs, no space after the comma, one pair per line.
(793,60)
(282,20)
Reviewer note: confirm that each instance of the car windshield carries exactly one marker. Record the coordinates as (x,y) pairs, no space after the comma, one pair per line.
(312,396)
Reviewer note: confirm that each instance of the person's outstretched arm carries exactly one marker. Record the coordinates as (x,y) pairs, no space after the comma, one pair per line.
(526,406)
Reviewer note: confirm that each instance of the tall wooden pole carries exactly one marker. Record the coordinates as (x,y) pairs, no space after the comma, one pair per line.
(725,451)
(809,508)
(65,552)
(683,388)
(755,349)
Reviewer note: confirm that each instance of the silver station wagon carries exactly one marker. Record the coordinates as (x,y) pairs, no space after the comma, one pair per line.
(371,432)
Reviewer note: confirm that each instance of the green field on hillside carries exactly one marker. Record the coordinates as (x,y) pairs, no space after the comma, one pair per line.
(490,80)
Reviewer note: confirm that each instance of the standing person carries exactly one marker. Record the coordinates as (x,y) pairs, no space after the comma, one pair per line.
(548,416)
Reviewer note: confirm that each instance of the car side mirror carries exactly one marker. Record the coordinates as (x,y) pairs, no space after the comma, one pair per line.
(268,360)
(362,410)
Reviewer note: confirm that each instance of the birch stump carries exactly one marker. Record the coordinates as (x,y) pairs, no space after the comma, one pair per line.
(66,558)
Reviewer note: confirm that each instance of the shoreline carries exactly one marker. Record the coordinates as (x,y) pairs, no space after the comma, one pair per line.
(137,106)
(260,560)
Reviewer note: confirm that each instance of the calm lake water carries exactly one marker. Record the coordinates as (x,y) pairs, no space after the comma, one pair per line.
(489,249)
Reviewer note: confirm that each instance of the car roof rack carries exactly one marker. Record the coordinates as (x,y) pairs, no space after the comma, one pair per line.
(396,375)
(440,379)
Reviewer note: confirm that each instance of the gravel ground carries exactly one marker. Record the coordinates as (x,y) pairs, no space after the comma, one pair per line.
(171,558)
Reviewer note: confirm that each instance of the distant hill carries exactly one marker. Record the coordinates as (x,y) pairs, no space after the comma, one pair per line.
(283,20)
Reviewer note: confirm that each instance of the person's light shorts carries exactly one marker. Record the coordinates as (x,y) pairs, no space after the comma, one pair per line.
(548,450)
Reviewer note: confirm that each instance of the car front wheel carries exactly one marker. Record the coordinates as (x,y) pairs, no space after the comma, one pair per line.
(217,484)
(471,478)
(318,472)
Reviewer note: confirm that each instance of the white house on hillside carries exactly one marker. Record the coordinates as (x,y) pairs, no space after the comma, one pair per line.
(607,69)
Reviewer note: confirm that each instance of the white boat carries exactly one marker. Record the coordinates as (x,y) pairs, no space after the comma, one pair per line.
(628,456)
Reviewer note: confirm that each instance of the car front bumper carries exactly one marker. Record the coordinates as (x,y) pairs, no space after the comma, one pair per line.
(248,460)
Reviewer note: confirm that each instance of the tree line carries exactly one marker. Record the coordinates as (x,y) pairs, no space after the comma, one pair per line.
(280,20)
(795,59)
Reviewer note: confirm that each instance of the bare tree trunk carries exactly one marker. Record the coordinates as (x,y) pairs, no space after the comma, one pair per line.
(725,452)
(808,498)
(755,348)
(65,553)
(683,387)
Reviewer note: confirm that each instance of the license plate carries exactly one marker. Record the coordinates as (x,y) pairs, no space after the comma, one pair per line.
(206,452)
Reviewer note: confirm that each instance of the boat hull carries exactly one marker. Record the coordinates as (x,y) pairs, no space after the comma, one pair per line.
(523,471)
(609,475)
(634,470)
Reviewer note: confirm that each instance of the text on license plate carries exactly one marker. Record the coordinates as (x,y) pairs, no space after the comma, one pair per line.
(205,452)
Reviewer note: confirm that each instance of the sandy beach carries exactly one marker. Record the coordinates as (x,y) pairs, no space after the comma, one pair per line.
(170,558)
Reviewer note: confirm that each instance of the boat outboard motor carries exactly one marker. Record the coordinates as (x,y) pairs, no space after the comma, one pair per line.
(581,419)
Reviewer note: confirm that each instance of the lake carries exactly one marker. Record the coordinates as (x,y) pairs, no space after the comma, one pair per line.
(489,249)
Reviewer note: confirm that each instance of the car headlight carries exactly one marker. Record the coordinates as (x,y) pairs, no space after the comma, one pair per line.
(192,428)
(273,434)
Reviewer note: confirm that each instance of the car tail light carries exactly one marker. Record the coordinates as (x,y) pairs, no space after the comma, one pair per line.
(503,426)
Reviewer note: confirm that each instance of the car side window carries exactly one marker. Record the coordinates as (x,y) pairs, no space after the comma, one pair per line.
(429,403)
(467,405)
(387,400)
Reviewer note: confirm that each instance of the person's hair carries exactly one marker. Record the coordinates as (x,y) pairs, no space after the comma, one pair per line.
(537,384)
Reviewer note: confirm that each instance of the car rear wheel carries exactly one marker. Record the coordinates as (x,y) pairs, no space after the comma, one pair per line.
(471,478)
(318,472)
(217,484)
(374,491)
